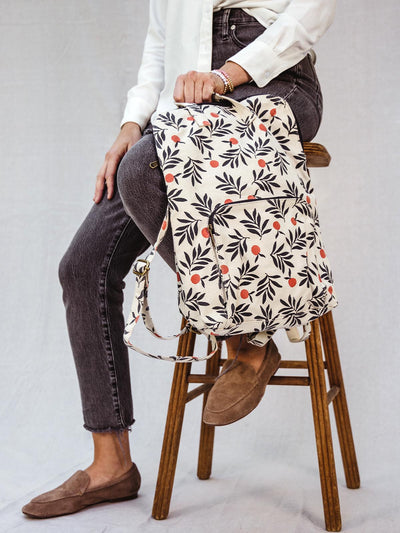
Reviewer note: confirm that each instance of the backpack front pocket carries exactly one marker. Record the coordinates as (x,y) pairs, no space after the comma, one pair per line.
(261,245)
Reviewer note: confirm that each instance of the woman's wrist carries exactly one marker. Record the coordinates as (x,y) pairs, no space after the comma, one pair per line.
(235,73)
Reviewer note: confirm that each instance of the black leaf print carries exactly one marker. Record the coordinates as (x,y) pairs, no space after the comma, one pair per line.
(174,197)
(290,127)
(326,273)
(200,258)
(203,205)
(192,169)
(237,244)
(202,141)
(247,274)
(255,224)
(229,185)
(301,162)
(267,287)
(233,157)
(277,207)
(171,120)
(220,128)
(266,182)
(246,128)
(281,258)
(240,313)
(291,189)
(258,148)
(292,310)
(281,162)
(170,158)
(297,239)
(222,218)
(270,322)
(188,228)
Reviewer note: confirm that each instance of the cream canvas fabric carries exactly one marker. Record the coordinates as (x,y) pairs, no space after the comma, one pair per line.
(248,249)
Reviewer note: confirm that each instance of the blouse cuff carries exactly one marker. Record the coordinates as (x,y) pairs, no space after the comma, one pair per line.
(137,110)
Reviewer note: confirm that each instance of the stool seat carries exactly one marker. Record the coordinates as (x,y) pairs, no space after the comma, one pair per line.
(321,357)
(317,155)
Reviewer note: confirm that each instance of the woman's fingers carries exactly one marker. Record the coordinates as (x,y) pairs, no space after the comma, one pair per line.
(196,87)
(178,90)
(100,182)
(198,91)
(208,89)
(189,90)
(106,176)
(110,175)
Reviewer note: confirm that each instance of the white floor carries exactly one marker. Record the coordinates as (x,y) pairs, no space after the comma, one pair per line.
(265,476)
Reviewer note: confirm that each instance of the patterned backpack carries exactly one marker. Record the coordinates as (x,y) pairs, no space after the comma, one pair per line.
(248,251)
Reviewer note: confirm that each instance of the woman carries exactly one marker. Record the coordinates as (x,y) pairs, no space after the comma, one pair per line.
(261,47)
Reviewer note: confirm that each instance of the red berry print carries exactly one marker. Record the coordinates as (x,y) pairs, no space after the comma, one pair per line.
(224,269)
(214,163)
(137,318)
(250,197)
(244,293)
(190,118)
(205,233)
(169,178)
(255,249)
(215,115)
(293,221)
(308,200)
(322,253)
(330,289)
(276,225)
(263,127)
(232,140)
(261,163)
(228,201)
(272,112)
(319,277)
(164,225)
(195,278)
(175,138)
(178,276)
(206,123)
(292,282)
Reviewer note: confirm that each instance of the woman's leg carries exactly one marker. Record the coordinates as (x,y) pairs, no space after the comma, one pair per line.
(91,274)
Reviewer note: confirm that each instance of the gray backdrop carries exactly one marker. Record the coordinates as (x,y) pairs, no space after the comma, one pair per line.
(65,70)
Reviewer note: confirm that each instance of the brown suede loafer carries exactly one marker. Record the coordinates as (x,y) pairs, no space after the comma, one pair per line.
(72,495)
(239,388)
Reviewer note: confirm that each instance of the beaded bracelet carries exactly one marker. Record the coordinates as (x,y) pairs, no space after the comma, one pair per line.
(228,85)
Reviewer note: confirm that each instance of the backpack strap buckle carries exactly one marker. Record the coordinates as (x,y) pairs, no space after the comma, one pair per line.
(146,268)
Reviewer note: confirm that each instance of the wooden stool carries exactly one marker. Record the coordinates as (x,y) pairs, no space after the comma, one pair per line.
(317,156)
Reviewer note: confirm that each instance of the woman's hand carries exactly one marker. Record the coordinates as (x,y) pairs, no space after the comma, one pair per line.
(198,87)
(129,135)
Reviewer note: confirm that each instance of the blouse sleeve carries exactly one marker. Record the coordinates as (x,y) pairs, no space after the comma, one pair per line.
(142,98)
(287,40)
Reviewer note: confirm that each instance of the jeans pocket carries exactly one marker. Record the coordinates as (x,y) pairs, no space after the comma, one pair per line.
(243,34)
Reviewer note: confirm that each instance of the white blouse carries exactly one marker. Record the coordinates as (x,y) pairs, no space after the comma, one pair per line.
(179,39)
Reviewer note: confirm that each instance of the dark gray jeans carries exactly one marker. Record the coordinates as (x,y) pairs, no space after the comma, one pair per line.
(116,231)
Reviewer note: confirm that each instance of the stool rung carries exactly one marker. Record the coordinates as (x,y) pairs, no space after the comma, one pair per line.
(332,393)
(289,380)
(200,378)
(287,363)
(201,389)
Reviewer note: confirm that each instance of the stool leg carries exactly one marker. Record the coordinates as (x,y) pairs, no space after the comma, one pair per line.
(173,429)
(207,432)
(340,403)
(323,435)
